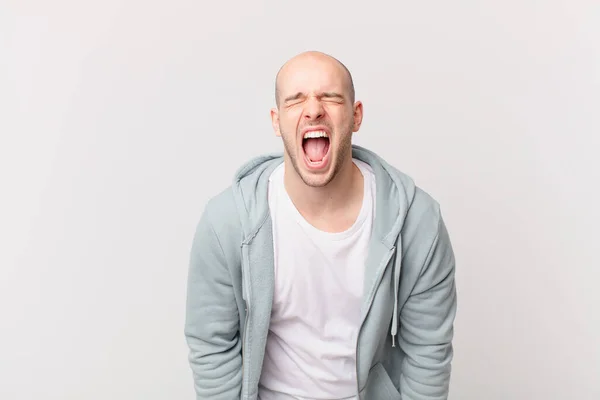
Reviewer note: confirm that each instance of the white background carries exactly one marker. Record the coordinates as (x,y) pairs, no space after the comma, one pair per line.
(119,119)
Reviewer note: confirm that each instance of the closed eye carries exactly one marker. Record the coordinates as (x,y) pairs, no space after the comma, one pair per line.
(294,99)
(332,96)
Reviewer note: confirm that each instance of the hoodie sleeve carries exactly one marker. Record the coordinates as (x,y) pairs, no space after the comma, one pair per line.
(426,322)
(212,319)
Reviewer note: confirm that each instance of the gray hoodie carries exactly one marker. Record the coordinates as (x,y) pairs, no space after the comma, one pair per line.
(404,346)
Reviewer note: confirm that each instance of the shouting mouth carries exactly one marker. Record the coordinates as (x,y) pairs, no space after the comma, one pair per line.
(315,144)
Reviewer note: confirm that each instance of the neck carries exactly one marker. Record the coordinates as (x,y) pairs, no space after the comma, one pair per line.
(343,191)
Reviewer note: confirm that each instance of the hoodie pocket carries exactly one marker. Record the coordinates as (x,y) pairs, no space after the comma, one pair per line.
(379,385)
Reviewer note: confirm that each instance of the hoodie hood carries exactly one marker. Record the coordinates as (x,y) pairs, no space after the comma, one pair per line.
(394,194)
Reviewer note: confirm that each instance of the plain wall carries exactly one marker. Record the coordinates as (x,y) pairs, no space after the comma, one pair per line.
(119,119)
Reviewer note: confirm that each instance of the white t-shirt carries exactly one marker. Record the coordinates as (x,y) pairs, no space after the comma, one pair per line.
(311,345)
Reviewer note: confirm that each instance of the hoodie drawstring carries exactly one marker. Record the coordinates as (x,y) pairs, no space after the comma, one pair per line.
(395,316)
(396,271)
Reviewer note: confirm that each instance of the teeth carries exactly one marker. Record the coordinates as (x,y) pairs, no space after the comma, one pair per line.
(315,134)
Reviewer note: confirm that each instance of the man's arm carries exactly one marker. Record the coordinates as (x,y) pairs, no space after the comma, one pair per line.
(426,324)
(212,319)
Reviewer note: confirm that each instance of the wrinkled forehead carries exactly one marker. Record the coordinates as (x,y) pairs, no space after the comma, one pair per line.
(312,75)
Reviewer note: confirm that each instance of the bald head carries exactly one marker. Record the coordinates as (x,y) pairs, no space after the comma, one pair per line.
(312,59)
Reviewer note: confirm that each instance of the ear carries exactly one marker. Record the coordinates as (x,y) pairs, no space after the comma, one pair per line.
(358,116)
(275,121)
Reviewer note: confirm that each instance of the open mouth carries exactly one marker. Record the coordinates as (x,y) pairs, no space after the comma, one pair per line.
(316,147)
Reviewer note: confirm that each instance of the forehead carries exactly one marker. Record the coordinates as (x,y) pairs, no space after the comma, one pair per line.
(312,75)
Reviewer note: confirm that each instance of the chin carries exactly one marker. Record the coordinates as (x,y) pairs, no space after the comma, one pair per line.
(316,182)
(316,179)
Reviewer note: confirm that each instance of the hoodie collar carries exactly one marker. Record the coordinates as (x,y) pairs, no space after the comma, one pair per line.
(394,193)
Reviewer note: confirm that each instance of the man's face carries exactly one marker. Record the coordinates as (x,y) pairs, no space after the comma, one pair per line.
(316,118)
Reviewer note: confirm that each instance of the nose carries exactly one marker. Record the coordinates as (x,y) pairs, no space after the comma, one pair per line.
(314,109)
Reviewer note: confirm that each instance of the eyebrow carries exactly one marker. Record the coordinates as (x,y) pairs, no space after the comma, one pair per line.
(298,95)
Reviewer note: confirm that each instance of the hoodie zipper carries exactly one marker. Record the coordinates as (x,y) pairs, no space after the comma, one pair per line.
(385,261)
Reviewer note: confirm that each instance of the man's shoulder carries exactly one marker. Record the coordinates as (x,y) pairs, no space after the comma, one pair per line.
(423,209)
(423,220)
(222,212)
(421,202)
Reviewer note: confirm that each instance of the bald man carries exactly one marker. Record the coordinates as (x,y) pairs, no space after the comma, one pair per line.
(322,272)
